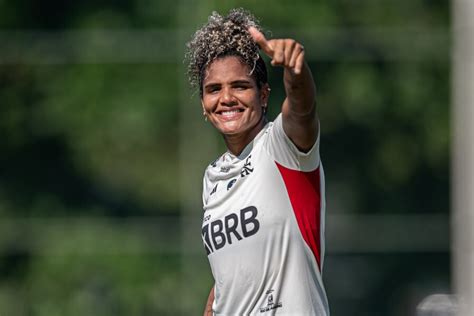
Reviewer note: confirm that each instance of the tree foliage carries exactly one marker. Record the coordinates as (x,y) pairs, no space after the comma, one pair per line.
(82,138)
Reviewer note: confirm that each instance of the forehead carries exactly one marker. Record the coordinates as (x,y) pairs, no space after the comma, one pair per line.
(227,69)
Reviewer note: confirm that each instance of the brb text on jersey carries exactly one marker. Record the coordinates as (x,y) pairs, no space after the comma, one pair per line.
(234,227)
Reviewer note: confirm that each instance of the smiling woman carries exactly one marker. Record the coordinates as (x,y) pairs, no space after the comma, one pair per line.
(232,101)
(263,200)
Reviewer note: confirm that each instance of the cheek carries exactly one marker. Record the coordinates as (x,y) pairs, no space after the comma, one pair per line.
(207,103)
(258,103)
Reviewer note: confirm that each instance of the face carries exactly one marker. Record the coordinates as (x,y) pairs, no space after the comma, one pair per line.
(231,99)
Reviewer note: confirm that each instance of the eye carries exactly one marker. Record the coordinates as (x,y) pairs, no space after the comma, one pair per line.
(241,87)
(213,89)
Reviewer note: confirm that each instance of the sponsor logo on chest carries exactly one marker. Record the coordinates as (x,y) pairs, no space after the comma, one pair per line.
(232,228)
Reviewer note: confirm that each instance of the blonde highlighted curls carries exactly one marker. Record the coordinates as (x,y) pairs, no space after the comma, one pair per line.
(224,36)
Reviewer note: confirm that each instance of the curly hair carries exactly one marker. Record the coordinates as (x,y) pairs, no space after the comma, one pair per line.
(225,36)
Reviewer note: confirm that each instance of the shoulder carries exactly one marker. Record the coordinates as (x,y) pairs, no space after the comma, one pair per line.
(285,152)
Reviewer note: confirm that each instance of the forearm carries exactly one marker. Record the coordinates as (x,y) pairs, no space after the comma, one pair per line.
(210,300)
(300,92)
(300,120)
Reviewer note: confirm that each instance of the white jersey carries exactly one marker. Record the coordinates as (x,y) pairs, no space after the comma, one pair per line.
(263,228)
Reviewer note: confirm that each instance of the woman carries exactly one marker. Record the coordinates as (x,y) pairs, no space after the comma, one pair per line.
(263,225)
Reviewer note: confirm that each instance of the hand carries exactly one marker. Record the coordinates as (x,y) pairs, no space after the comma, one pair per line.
(287,53)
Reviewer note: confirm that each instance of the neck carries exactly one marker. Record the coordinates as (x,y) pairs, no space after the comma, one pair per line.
(236,142)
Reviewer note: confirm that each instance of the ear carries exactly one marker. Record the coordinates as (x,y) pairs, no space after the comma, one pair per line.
(264,94)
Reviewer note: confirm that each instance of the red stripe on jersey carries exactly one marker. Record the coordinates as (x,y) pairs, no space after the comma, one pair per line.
(304,190)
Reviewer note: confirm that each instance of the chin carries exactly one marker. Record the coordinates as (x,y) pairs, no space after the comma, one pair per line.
(227,131)
(230,129)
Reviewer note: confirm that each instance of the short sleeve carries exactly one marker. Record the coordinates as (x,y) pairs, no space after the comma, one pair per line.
(285,152)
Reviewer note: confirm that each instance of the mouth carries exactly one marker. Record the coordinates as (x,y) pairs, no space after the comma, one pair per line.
(230,114)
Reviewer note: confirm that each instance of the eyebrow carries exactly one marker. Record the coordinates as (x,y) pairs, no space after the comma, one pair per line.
(233,83)
(212,84)
(240,82)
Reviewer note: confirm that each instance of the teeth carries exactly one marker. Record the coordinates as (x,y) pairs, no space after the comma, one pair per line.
(230,112)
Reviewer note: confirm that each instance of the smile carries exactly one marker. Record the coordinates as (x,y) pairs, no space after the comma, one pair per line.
(230,114)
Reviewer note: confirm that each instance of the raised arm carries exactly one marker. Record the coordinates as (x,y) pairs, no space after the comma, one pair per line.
(300,120)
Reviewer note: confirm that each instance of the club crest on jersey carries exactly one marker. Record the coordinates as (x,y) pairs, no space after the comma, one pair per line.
(247,168)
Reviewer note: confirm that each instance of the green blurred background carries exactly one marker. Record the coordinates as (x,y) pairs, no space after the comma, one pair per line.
(102,149)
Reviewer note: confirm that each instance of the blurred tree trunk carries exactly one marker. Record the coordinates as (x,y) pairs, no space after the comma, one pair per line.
(197,148)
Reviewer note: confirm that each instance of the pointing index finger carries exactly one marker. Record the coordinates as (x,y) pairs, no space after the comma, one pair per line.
(261,41)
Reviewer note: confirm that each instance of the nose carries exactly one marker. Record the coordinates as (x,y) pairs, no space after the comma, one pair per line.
(227,98)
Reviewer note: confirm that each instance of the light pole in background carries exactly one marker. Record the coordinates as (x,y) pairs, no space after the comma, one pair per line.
(462,162)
